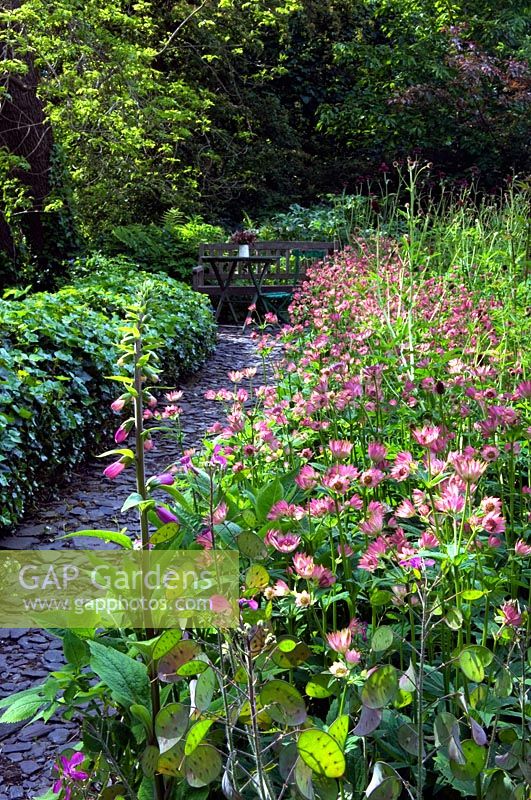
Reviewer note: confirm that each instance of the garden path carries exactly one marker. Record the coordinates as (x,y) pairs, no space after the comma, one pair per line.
(28,751)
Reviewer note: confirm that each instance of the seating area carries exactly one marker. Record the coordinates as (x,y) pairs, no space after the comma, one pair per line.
(265,274)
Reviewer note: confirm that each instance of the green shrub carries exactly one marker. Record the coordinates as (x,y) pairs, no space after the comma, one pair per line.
(172,247)
(55,351)
(333,219)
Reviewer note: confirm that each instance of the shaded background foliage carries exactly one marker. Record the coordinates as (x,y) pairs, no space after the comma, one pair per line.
(216,107)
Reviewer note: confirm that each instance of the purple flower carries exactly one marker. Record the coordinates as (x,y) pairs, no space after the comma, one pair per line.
(165,479)
(67,768)
(217,459)
(253,605)
(165,515)
(417,562)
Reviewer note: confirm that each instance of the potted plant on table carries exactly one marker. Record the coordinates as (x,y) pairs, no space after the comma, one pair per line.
(243,238)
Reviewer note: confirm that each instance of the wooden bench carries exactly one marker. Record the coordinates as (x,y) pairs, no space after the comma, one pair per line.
(285,267)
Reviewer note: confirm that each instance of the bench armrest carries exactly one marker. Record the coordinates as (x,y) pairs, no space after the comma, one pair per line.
(198,276)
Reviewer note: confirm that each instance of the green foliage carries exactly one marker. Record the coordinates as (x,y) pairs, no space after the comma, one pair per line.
(172,248)
(55,351)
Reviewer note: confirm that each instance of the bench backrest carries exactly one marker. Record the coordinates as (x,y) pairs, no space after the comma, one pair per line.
(292,258)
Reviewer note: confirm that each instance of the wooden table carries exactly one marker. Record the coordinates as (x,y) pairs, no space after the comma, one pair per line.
(256,268)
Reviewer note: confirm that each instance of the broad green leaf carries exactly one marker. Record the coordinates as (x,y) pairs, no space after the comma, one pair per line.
(320,686)
(149,760)
(283,702)
(202,766)
(472,594)
(380,687)
(251,545)
(256,577)
(142,714)
(76,650)
(475,758)
(382,639)
(165,642)
(126,677)
(204,689)
(23,708)
(196,734)
(165,533)
(320,751)
(270,494)
(385,783)
(473,660)
(117,537)
(171,724)
(339,730)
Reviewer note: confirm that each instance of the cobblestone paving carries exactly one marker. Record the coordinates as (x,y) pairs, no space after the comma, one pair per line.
(28,751)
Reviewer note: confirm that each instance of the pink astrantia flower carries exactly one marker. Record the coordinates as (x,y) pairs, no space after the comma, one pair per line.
(522,549)
(284,509)
(427,435)
(282,542)
(510,614)
(340,448)
(280,589)
(307,478)
(173,397)
(371,477)
(428,540)
(406,510)
(323,576)
(205,539)
(303,599)
(469,469)
(353,657)
(373,524)
(220,514)
(340,641)
(304,565)
(377,452)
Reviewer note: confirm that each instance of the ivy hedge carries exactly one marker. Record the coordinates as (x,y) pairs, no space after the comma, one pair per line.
(56,351)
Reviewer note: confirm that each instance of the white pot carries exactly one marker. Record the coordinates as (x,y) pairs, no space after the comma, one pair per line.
(243,250)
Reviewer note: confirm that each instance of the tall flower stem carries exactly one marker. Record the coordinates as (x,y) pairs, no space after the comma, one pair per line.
(159,791)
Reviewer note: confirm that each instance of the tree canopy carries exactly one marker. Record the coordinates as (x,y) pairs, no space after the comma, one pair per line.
(224,106)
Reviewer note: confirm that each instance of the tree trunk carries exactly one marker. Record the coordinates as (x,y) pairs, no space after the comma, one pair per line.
(26,133)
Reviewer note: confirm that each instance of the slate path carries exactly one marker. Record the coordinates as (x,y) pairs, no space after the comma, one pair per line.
(28,751)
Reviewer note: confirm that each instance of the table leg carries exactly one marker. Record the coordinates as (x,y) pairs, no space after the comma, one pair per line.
(224,286)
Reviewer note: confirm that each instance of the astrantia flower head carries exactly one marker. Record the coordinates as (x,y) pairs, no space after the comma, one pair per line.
(469,469)
(307,478)
(340,640)
(377,452)
(303,599)
(304,565)
(282,542)
(510,614)
(340,449)
(522,549)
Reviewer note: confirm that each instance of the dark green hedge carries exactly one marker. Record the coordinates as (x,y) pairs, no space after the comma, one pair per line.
(55,353)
